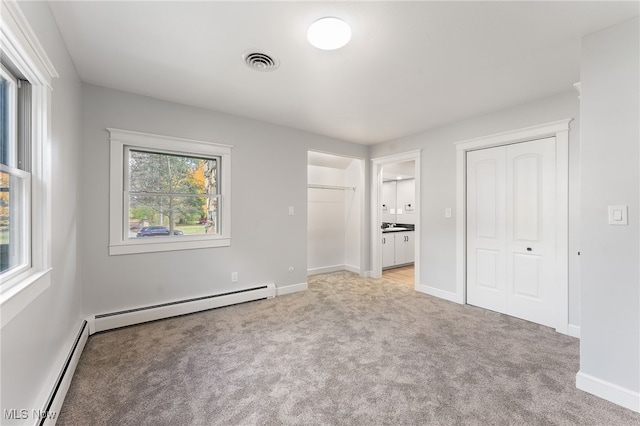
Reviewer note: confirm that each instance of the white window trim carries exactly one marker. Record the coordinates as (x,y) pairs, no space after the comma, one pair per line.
(20,45)
(123,139)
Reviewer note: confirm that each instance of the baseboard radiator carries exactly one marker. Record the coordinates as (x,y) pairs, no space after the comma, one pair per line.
(49,414)
(128,317)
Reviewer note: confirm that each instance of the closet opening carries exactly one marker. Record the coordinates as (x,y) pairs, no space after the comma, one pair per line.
(335,218)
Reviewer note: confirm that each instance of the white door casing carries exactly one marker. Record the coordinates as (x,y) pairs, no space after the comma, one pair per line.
(559,130)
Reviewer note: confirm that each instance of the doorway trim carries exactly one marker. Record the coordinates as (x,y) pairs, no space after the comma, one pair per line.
(559,130)
(376,195)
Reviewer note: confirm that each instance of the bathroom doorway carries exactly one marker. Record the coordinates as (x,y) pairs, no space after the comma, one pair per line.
(395,203)
(398,218)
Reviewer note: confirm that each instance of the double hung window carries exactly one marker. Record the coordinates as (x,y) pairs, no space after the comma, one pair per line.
(15,176)
(172,195)
(26,79)
(167,193)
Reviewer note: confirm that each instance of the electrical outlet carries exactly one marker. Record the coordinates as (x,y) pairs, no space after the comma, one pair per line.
(234,277)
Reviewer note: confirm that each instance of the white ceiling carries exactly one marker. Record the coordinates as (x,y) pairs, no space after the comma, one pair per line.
(410,66)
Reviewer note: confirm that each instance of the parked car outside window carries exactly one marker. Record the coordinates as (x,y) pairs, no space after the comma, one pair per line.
(152,231)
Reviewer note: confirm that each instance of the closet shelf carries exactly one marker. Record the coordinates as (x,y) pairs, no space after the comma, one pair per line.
(341,188)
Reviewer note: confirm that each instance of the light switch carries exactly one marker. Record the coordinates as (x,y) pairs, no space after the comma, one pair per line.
(447,212)
(399,211)
(392,211)
(618,215)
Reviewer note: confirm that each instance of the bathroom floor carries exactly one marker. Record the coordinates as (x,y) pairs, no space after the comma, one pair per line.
(401,275)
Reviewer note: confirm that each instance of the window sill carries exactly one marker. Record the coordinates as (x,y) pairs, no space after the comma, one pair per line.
(18,296)
(161,244)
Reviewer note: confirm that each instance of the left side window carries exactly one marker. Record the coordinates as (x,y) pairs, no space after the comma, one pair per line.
(15,175)
(26,81)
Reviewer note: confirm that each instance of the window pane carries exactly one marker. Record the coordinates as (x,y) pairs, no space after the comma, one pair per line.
(13,237)
(158,215)
(165,173)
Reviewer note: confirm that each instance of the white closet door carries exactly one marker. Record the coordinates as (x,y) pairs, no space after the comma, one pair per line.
(511,247)
(531,247)
(486,228)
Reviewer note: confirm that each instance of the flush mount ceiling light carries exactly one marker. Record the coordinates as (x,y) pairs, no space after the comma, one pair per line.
(329,33)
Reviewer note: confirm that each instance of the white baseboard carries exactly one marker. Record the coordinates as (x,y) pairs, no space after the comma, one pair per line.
(48,415)
(166,310)
(609,391)
(353,269)
(442,294)
(325,269)
(293,288)
(333,268)
(573,330)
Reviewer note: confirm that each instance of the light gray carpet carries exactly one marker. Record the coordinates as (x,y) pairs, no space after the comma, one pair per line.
(350,351)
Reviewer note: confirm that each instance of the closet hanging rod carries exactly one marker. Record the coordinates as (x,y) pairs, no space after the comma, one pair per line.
(342,188)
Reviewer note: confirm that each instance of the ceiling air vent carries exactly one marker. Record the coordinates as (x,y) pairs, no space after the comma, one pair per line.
(260,60)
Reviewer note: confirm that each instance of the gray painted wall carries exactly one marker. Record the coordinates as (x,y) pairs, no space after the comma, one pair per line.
(36,341)
(610,107)
(438,184)
(269,174)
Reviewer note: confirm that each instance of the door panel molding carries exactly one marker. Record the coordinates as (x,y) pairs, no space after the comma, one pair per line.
(559,130)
